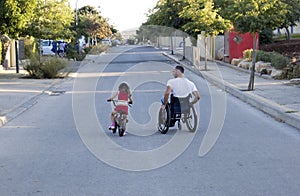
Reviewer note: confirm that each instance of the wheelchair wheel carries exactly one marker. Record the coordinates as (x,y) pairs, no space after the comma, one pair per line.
(191,119)
(164,118)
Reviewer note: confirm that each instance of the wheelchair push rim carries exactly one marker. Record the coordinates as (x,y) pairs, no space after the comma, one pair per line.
(191,119)
(164,119)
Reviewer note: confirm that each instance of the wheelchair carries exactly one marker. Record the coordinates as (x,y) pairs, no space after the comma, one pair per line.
(179,110)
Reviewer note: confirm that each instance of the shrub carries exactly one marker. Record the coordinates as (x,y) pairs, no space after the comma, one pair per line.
(50,68)
(71,52)
(131,41)
(46,68)
(98,49)
(247,54)
(31,47)
(266,37)
(0,53)
(263,56)
(277,60)
(33,68)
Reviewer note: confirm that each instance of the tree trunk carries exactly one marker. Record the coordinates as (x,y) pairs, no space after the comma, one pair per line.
(40,49)
(96,43)
(251,82)
(89,41)
(205,45)
(288,35)
(172,50)
(183,49)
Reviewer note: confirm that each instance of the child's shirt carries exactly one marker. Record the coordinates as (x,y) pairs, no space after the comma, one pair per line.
(122,103)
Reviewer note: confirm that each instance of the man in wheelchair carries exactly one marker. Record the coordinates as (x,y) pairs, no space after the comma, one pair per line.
(179,89)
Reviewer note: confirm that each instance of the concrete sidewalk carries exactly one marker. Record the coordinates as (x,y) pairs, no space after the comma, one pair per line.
(17,94)
(278,98)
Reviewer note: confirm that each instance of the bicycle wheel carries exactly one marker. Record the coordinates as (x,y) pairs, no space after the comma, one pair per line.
(115,129)
(164,118)
(122,126)
(121,131)
(191,119)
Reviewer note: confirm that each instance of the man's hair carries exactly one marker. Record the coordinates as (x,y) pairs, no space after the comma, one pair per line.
(180,68)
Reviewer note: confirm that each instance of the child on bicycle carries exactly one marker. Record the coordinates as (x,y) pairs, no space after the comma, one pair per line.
(124,97)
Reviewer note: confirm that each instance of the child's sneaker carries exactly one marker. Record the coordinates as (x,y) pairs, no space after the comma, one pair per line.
(111,127)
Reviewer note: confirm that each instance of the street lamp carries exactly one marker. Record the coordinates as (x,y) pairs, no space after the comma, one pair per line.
(76,13)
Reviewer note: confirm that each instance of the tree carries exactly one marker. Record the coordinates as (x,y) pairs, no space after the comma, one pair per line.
(166,13)
(92,25)
(254,16)
(15,15)
(53,19)
(292,15)
(14,18)
(205,18)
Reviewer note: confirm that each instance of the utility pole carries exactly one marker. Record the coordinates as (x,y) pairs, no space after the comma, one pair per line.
(76,13)
(17,55)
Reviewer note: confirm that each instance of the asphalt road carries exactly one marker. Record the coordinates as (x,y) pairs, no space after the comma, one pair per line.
(61,145)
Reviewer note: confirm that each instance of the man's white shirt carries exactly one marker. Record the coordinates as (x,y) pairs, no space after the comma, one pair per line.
(181,87)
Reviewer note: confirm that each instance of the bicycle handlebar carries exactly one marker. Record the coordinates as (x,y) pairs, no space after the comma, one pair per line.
(115,101)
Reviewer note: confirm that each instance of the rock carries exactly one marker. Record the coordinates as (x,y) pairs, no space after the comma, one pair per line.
(220,54)
(295,81)
(260,65)
(235,61)
(277,74)
(245,64)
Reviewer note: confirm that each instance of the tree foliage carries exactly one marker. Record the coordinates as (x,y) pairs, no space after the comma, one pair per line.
(166,13)
(203,16)
(92,24)
(15,15)
(191,16)
(292,15)
(52,20)
(253,16)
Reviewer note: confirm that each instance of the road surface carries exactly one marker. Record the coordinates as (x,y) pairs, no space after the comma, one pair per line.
(61,145)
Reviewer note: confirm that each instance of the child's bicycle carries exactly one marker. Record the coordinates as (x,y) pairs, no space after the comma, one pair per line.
(120,118)
(178,110)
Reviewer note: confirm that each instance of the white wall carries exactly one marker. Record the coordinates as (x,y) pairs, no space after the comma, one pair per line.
(296,30)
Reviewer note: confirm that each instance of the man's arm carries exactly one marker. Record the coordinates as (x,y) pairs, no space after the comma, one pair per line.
(196,97)
(166,95)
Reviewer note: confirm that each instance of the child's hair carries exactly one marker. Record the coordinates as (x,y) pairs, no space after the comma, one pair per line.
(123,87)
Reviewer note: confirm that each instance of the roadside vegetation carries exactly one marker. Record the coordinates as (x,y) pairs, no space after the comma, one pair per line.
(55,20)
(51,20)
(212,17)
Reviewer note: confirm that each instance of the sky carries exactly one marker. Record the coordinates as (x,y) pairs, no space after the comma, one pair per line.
(122,14)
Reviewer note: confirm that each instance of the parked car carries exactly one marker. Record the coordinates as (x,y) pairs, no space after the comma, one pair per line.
(106,42)
(47,47)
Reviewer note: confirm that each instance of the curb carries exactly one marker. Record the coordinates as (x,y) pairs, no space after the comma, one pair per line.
(242,70)
(278,112)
